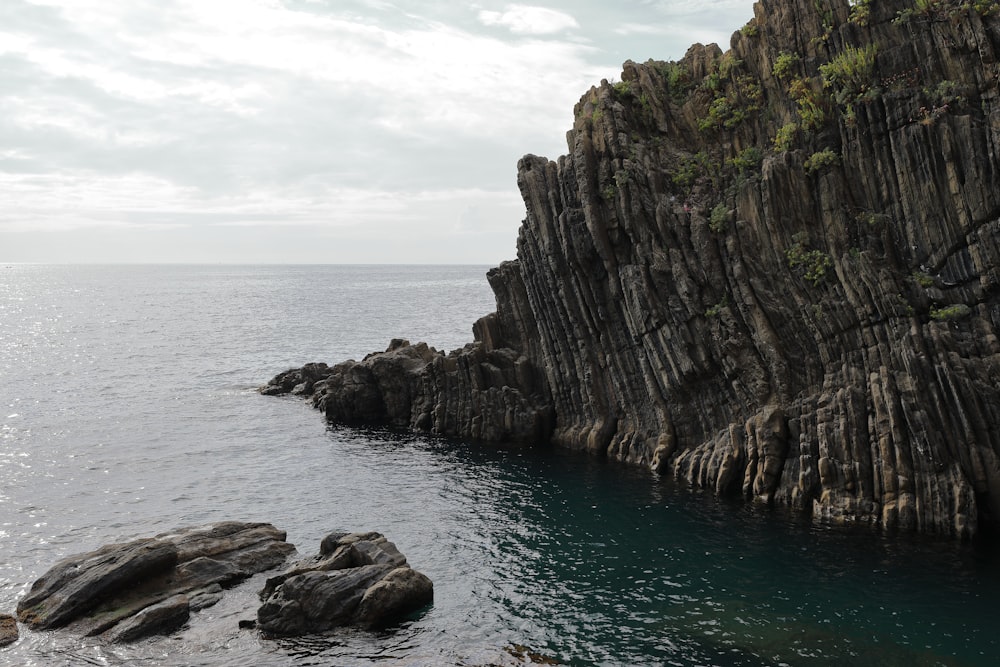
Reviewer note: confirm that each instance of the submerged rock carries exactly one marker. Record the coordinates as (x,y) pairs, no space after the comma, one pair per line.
(770,272)
(149,586)
(356,579)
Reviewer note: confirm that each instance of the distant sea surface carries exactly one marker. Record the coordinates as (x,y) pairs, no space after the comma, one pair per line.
(128,407)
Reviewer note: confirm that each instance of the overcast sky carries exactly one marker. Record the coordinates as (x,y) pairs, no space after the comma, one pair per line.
(331,131)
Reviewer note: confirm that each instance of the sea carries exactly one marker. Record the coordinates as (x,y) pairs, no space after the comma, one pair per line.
(129,407)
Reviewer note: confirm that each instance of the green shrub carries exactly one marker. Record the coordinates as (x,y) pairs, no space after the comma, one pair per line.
(621,89)
(850,74)
(716,310)
(750,29)
(942,10)
(727,64)
(746,159)
(872,219)
(985,7)
(693,167)
(720,111)
(644,103)
(678,79)
(719,218)
(785,138)
(850,116)
(813,263)
(728,111)
(812,105)
(923,279)
(860,12)
(821,160)
(783,64)
(944,93)
(948,313)
(750,91)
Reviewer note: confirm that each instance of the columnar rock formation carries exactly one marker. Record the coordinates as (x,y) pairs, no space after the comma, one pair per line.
(771,271)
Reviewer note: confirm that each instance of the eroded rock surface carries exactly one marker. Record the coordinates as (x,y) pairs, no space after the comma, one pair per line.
(8,629)
(356,579)
(770,272)
(150,586)
(485,391)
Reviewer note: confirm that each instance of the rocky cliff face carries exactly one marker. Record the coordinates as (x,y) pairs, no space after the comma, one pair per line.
(770,272)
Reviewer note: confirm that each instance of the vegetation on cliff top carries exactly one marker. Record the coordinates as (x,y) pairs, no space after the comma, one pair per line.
(829,177)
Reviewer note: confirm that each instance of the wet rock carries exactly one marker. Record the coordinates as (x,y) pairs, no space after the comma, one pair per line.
(480,392)
(157,619)
(399,593)
(150,585)
(356,579)
(297,381)
(8,629)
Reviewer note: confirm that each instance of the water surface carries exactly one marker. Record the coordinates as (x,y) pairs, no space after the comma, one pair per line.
(128,408)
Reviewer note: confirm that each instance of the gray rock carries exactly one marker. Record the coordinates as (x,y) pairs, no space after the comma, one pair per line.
(75,585)
(157,619)
(398,594)
(118,589)
(356,579)
(205,597)
(317,601)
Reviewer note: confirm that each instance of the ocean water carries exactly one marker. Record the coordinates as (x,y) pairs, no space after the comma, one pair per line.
(128,407)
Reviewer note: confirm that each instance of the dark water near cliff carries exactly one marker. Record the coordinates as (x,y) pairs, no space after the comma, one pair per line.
(127,408)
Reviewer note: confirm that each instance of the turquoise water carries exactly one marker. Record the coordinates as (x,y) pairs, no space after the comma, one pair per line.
(615,566)
(128,408)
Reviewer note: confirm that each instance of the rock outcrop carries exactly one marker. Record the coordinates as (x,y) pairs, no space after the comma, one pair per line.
(770,272)
(130,590)
(124,592)
(482,392)
(356,579)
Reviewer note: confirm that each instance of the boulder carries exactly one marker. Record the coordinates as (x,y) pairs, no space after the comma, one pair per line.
(129,590)
(399,593)
(356,579)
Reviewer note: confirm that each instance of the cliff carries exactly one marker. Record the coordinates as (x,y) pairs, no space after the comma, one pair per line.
(770,272)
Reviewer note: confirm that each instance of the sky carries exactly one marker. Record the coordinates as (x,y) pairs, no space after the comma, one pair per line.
(300,131)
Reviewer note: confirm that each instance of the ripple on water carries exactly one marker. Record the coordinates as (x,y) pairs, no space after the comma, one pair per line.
(129,410)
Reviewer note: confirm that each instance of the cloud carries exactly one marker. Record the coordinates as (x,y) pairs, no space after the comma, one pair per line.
(685,22)
(291,118)
(529,20)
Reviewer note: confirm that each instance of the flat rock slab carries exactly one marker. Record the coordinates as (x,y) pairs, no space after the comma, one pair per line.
(146,586)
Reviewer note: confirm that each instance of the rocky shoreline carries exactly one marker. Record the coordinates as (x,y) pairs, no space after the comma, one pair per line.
(152,586)
(769,272)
